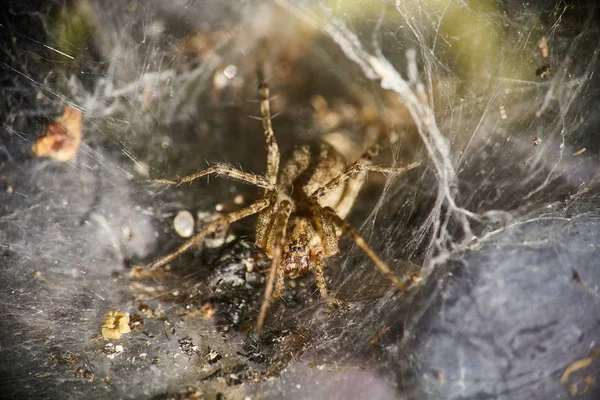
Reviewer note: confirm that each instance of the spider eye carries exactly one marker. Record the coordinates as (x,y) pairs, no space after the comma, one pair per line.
(296,248)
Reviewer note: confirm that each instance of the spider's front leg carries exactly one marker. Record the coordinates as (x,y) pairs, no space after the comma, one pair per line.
(280,226)
(362,165)
(382,266)
(318,270)
(221,169)
(273,156)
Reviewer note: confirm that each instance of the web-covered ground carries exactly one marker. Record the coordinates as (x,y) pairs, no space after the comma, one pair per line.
(498,100)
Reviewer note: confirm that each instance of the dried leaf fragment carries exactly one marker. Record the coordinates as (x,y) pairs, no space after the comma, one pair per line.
(579,364)
(543,46)
(115,324)
(61,138)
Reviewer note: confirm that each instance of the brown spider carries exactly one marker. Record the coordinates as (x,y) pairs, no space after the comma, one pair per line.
(301,215)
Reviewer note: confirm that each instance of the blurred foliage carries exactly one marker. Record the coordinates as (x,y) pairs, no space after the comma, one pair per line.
(72,28)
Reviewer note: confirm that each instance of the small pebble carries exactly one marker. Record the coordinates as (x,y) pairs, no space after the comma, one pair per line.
(184,224)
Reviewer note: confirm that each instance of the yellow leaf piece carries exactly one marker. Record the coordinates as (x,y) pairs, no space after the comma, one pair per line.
(579,364)
(61,138)
(115,324)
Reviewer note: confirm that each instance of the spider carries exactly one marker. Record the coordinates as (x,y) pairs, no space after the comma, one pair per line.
(301,214)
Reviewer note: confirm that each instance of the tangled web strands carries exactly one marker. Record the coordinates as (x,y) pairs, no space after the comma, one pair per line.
(412,92)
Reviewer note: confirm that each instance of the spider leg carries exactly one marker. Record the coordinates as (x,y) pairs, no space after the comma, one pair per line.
(351,191)
(281,222)
(221,169)
(362,165)
(392,170)
(265,111)
(208,229)
(280,283)
(320,277)
(360,242)
(264,221)
(324,228)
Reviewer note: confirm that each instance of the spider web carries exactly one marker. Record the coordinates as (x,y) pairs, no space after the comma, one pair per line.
(496,99)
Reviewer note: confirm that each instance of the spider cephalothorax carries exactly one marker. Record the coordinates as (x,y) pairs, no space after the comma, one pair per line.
(302,249)
(301,215)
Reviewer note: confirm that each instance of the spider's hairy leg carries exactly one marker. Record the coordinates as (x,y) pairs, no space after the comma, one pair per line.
(360,242)
(392,170)
(324,228)
(221,169)
(264,221)
(210,228)
(279,283)
(351,192)
(320,277)
(358,167)
(281,221)
(273,156)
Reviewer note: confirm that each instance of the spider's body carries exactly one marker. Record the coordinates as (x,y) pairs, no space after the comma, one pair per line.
(312,236)
(301,214)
